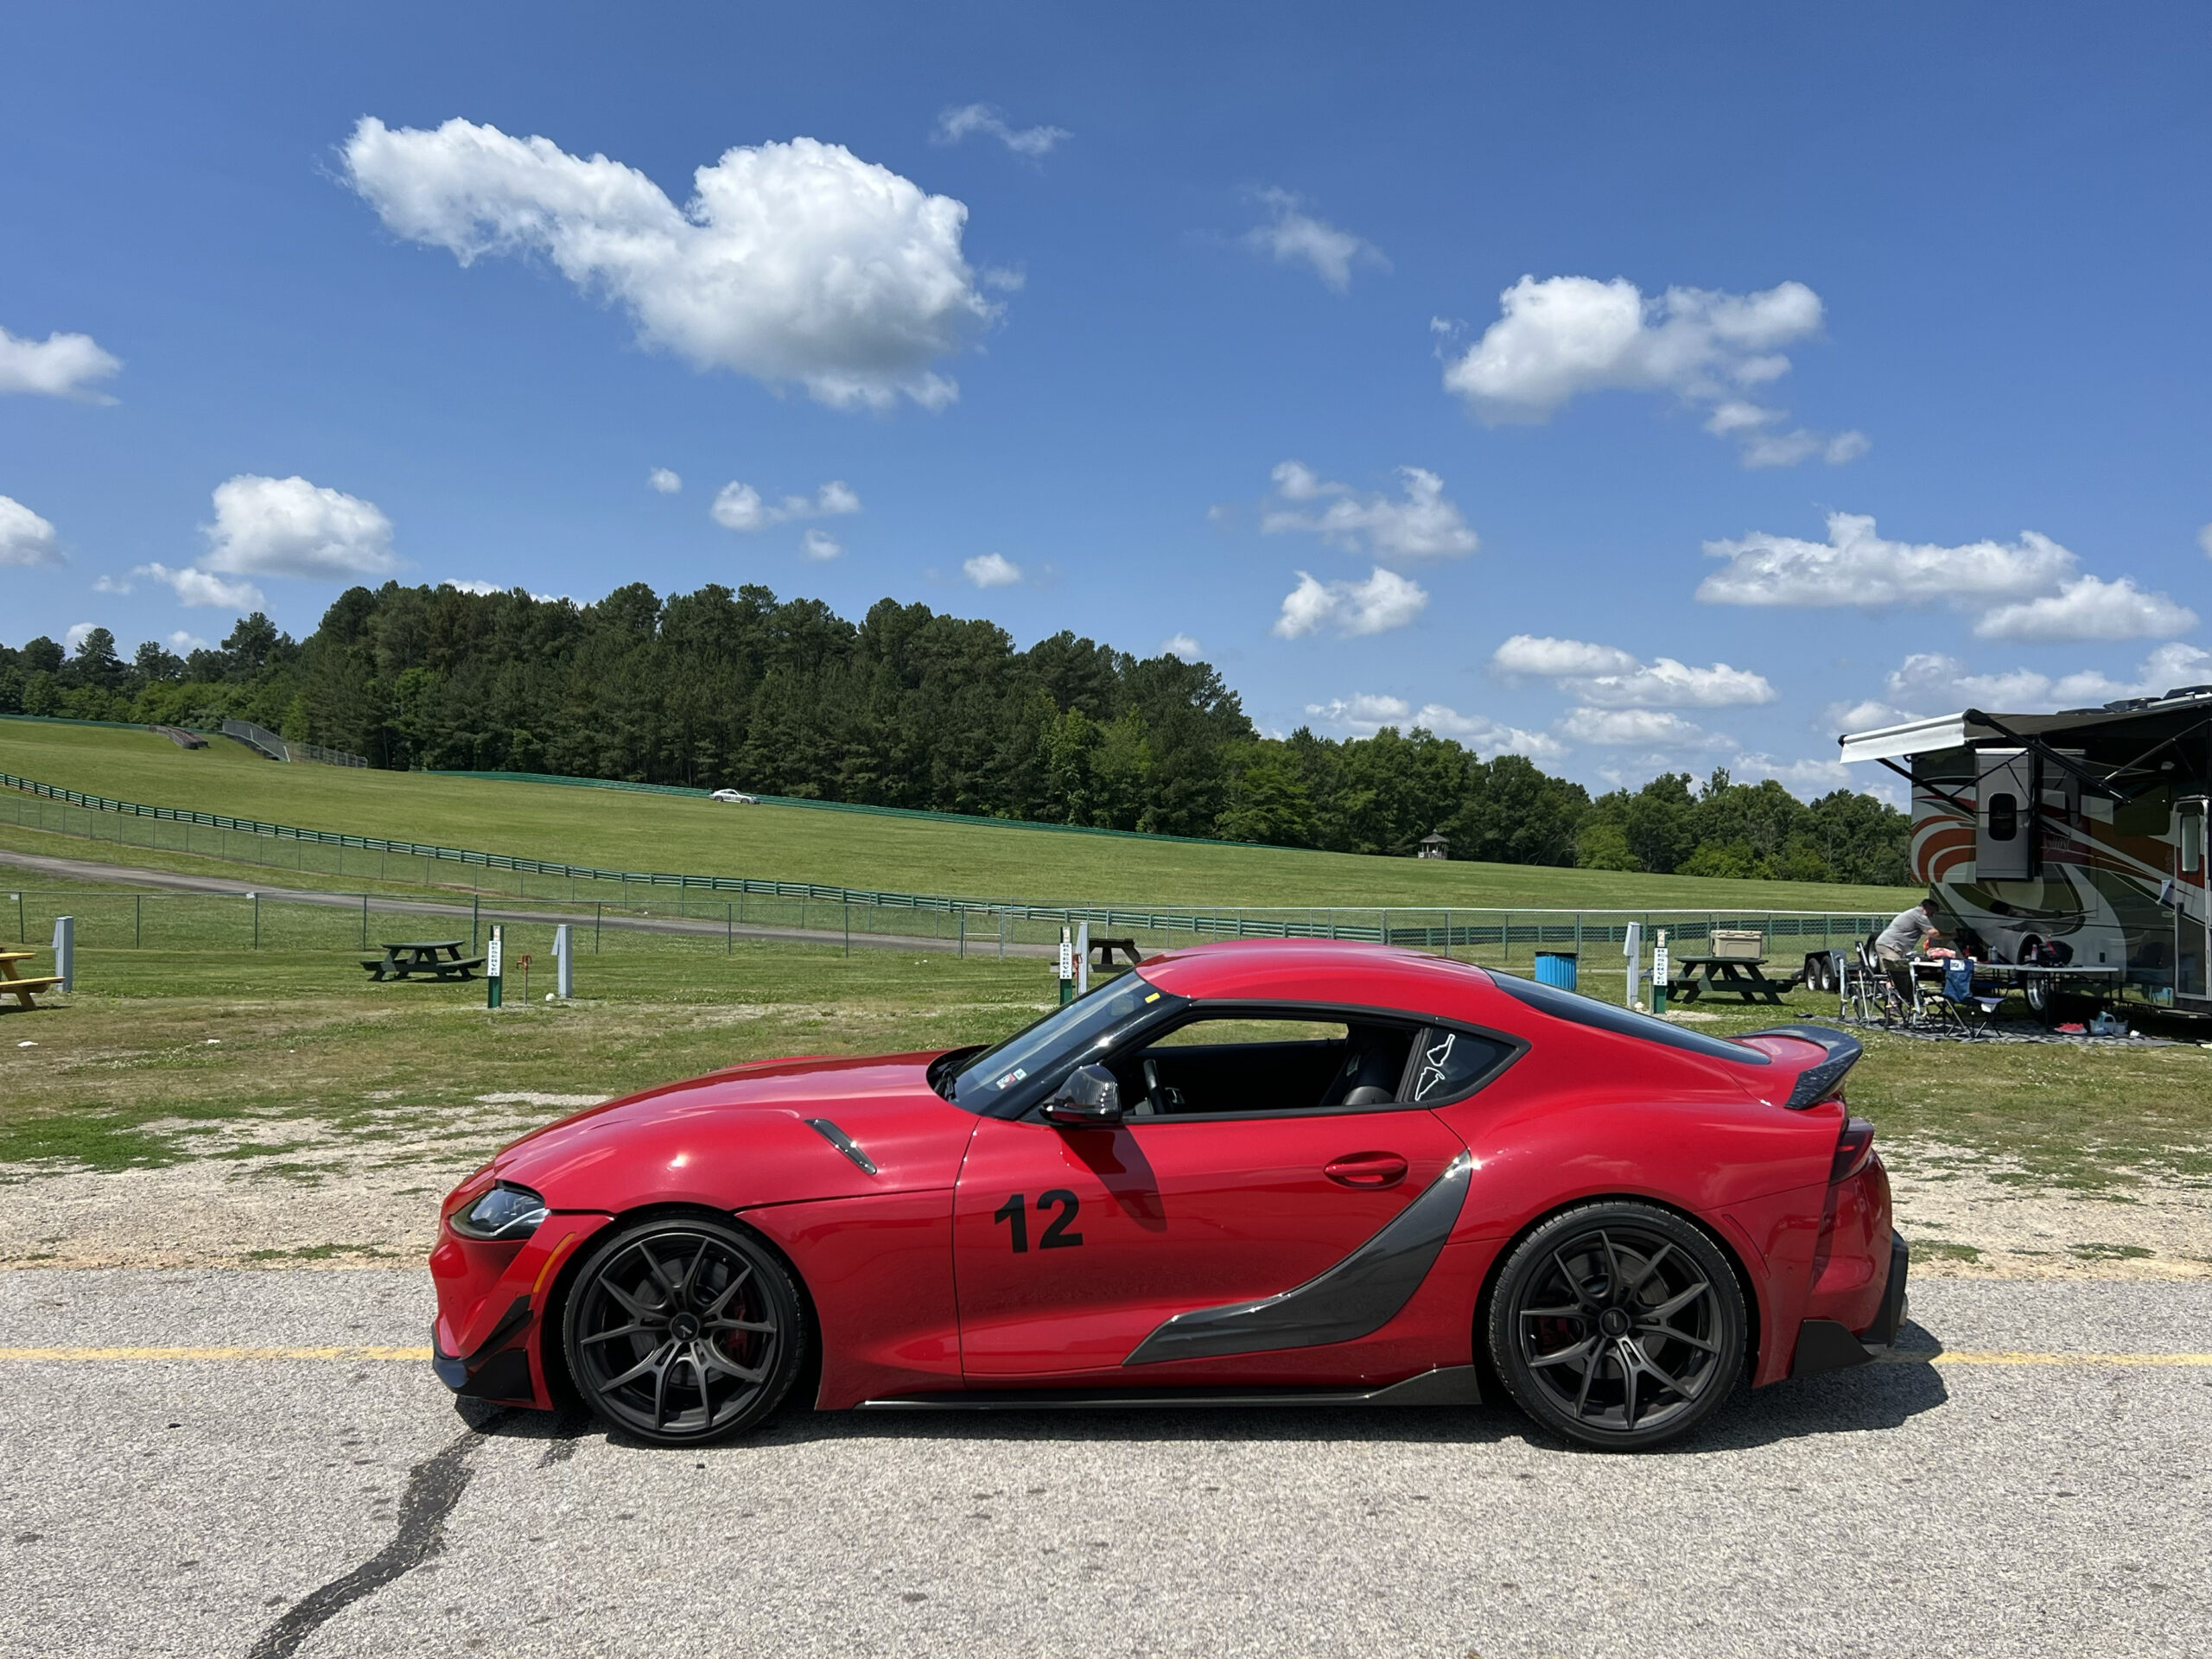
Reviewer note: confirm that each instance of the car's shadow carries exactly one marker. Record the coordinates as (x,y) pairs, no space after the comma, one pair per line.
(1865,1398)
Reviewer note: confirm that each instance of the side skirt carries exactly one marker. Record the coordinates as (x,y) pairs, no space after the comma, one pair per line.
(1449,1385)
(1355,1298)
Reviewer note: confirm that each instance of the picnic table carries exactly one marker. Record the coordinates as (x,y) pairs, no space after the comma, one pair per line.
(20,986)
(1738,976)
(408,958)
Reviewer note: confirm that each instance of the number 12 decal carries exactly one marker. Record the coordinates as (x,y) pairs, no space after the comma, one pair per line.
(1056,1236)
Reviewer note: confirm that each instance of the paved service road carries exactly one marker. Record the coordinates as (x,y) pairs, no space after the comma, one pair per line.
(77,869)
(2019,1495)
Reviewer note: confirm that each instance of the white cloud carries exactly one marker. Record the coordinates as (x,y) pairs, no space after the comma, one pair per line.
(1293,235)
(1858,568)
(197,587)
(1383,602)
(1542,658)
(795,262)
(739,506)
(289,527)
(665,479)
(1645,728)
(183,644)
(1180,645)
(1367,714)
(2088,608)
(992,570)
(1610,677)
(820,545)
(75,634)
(1564,336)
(1929,683)
(112,585)
(471,585)
(26,538)
(61,366)
(1420,525)
(1787,448)
(956,124)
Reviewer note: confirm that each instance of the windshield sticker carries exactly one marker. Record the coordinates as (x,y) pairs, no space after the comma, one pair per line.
(1014,1076)
(1154,997)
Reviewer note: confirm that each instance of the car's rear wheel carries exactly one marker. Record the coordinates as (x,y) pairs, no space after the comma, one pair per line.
(681,1330)
(1618,1324)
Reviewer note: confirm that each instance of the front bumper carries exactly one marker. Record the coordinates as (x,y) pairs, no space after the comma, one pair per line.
(1826,1345)
(496,1370)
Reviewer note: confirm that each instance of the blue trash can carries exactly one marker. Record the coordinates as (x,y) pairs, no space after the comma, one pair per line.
(1555,967)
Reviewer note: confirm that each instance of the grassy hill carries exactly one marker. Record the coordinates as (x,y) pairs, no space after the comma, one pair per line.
(615,830)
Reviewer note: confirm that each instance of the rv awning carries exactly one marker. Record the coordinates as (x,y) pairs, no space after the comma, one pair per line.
(1914,737)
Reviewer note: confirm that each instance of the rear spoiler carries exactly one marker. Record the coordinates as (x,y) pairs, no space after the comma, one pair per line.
(1817,1082)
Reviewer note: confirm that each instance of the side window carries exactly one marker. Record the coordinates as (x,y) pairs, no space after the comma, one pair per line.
(1264,1064)
(1450,1063)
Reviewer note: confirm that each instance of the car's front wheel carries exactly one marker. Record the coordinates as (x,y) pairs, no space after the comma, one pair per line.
(1618,1324)
(681,1330)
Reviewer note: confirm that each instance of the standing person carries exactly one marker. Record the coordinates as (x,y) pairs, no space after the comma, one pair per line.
(1903,939)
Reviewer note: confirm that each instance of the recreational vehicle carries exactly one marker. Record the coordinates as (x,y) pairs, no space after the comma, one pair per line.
(2071,846)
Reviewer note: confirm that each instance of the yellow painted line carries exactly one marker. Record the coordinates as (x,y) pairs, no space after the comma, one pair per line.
(1965,1357)
(159,1354)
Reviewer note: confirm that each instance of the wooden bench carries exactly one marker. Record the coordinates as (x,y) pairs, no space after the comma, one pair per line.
(22,985)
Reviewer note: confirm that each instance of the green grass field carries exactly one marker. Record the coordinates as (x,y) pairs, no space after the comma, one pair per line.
(612,828)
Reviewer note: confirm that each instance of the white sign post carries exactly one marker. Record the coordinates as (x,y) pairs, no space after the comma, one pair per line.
(1660,973)
(1083,958)
(564,962)
(1067,965)
(492,988)
(65,951)
(1632,948)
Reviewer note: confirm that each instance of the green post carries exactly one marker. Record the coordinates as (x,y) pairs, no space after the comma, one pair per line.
(137,921)
(1067,965)
(492,969)
(1662,970)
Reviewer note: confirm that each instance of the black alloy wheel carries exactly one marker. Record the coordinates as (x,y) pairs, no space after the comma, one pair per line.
(679,1331)
(1619,1325)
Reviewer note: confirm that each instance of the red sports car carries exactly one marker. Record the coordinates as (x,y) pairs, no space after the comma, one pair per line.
(1242,1173)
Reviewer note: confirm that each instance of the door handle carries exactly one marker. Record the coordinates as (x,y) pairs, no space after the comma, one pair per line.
(1367,1169)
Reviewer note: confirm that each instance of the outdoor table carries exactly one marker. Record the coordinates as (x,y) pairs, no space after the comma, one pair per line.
(436,958)
(19,985)
(1738,976)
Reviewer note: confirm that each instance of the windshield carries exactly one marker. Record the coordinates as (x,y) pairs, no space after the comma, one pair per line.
(1039,1055)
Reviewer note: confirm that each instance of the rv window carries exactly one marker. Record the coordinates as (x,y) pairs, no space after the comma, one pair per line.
(2003,817)
(2192,841)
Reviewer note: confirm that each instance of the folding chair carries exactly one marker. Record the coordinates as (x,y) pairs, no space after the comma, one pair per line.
(1955,1003)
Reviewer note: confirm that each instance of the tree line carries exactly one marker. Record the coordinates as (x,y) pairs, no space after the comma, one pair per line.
(908,708)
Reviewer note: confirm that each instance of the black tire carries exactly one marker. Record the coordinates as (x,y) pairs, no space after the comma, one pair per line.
(1618,1324)
(681,1330)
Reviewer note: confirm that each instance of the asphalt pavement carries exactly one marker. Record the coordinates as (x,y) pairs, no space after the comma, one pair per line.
(220,1462)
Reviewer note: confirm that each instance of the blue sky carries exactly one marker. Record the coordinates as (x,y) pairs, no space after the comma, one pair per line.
(1637,390)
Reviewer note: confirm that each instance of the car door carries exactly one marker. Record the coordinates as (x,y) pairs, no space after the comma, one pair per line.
(1269,1162)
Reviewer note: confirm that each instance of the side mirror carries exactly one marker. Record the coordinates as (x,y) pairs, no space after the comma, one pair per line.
(1089,1099)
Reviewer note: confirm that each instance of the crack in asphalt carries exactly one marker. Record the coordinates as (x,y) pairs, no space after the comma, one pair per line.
(433,1489)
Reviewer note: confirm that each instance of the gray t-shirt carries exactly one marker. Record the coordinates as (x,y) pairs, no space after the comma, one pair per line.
(1903,936)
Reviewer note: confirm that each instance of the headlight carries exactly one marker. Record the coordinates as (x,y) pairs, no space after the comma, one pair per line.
(504,1213)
